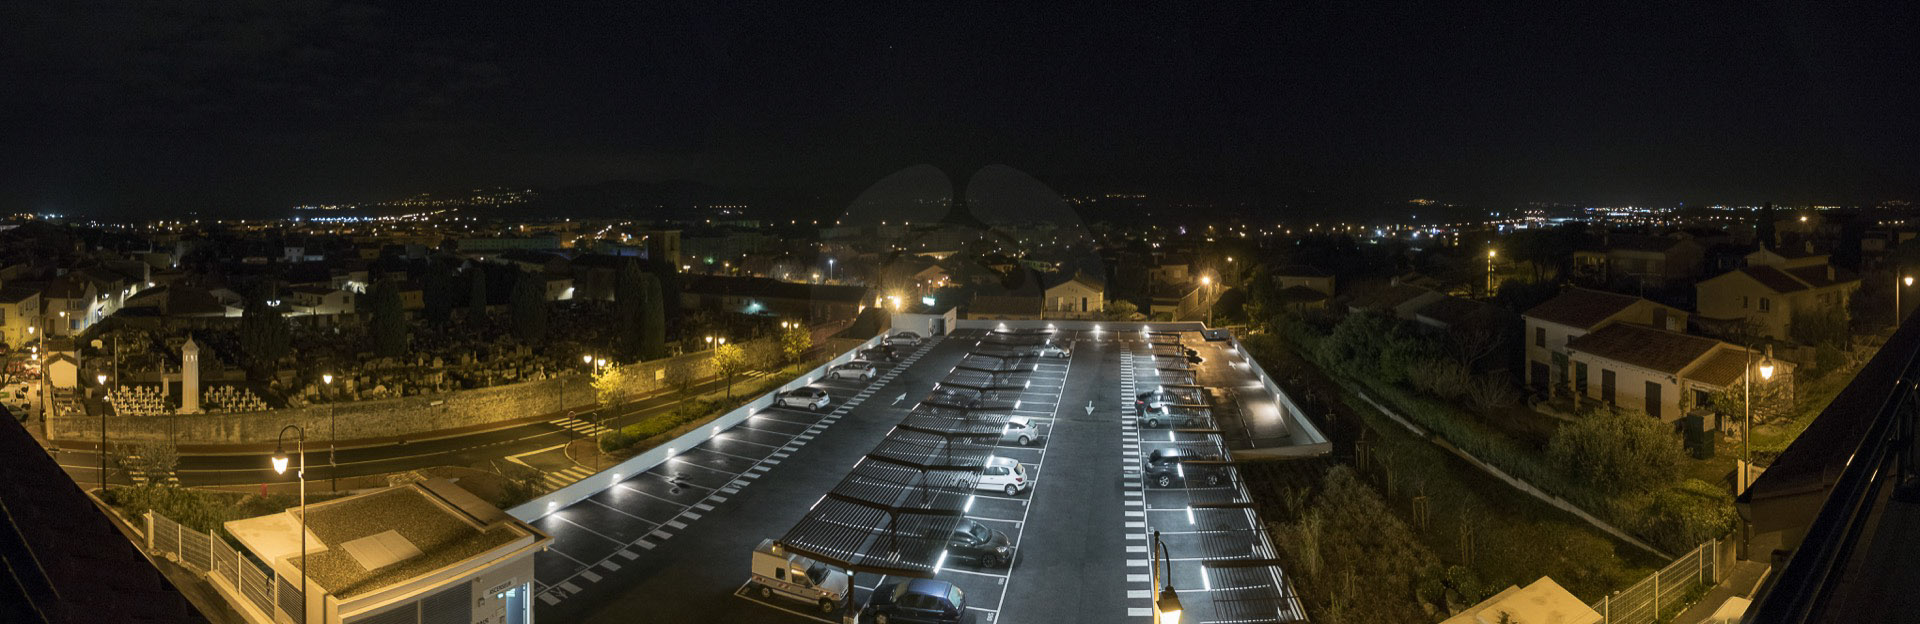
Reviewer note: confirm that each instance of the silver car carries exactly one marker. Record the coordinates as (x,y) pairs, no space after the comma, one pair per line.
(806,398)
(857,369)
(904,339)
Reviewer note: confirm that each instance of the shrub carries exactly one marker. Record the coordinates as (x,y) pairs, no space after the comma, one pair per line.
(1617,452)
(1678,518)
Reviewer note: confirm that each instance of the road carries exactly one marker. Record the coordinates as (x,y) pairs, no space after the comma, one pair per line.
(461,450)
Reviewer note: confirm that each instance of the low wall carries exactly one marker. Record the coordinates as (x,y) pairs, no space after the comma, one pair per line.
(580,490)
(415,416)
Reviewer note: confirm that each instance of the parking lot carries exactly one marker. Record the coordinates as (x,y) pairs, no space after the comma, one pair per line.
(674,543)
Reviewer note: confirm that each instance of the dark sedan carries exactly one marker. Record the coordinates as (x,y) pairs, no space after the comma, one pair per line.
(973,542)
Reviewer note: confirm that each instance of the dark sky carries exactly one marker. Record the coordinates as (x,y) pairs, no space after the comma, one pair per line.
(132,107)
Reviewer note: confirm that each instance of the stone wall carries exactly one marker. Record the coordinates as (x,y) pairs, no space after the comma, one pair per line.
(386,418)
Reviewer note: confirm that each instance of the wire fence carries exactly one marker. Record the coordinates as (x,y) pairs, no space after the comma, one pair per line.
(259,585)
(1663,593)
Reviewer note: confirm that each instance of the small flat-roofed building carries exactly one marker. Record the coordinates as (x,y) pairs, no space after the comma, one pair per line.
(1540,602)
(424,552)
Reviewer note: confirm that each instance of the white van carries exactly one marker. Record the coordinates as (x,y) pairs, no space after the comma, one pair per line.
(780,572)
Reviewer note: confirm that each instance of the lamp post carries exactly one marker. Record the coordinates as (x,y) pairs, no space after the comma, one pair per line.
(280,467)
(106,405)
(1206,282)
(1906,281)
(1490,255)
(333,432)
(1746,441)
(1166,603)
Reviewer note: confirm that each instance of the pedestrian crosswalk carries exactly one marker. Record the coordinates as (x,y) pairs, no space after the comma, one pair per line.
(580,426)
(565,477)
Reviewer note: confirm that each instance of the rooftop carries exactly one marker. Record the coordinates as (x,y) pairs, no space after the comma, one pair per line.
(417,528)
(1645,347)
(1581,307)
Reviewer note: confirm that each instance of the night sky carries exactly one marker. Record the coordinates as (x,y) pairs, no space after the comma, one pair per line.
(123,107)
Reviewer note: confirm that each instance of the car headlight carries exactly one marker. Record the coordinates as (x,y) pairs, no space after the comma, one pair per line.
(1001,549)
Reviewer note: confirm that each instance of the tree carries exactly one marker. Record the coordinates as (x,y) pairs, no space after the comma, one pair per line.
(264,337)
(1822,326)
(653,319)
(1121,310)
(529,307)
(795,341)
(476,294)
(388,327)
(1490,392)
(156,459)
(1618,451)
(608,384)
(629,299)
(729,360)
(438,290)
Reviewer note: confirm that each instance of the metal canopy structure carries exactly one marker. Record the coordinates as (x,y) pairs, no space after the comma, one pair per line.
(996,362)
(891,514)
(955,423)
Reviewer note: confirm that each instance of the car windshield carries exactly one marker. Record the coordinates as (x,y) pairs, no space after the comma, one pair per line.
(953,595)
(979,533)
(817,573)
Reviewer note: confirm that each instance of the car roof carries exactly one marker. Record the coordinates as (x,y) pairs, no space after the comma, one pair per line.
(1000,461)
(933,587)
(1020,419)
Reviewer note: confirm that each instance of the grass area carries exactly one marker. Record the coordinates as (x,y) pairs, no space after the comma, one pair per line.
(652,431)
(1810,398)
(201,510)
(1472,519)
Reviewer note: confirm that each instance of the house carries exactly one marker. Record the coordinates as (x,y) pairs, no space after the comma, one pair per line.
(559,288)
(1643,259)
(20,320)
(1006,307)
(1773,286)
(1303,276)
(1657,371)
(1540,602)
(1575,313)
(1399,299)
(1078,296)
(321,300)
(425,551)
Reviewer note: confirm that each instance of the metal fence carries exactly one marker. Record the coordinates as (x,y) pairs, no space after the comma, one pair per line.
(1660,594)
(209,555)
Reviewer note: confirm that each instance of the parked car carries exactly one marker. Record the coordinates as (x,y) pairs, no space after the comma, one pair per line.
(917,601)
(1023,431)
(973,542)
(904,339)
(780,572)
(1154,399)
(1052,351)
(955,397)
(882,353)
(1168,466)
(1174,414)
(808,397)
(1002,474)
(857,369)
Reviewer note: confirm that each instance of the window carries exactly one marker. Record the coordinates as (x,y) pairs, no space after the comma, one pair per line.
(1580,377)
(1540,337)
(1765,304)
(1743,302)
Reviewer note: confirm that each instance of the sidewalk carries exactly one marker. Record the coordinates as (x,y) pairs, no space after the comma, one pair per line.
(1742,579)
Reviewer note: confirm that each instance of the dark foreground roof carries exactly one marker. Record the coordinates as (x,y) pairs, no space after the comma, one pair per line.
(1581,307)
(64,560)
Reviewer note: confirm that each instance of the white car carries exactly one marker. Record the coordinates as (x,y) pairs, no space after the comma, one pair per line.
(1023,431)
(808,397)
(1002,474)
(1053,351)
(857,369)
(904,339)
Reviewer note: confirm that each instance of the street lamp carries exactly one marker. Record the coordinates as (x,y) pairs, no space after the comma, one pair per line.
(1166,604)
(1490,255)
(107,405)
(1907,280)
(280,467)
(1746,442)
(333,432)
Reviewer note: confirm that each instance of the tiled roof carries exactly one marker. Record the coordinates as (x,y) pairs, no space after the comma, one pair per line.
(1452,311)
(1387,297)
(1581,307)
(16,294)
(1645,347)
(1300,294)
(1816,276)
(1722,368)
(1775,279)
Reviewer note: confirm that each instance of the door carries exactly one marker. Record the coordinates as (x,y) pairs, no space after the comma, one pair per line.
(1538,371)
(1606,386)
(1653,400)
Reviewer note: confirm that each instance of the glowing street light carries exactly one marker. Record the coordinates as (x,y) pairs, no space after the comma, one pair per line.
(280,460)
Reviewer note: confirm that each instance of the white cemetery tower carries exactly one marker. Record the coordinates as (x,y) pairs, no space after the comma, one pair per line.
(190,377)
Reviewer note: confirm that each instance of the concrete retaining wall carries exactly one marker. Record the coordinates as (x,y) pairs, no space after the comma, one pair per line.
(580,490)
(385,418)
